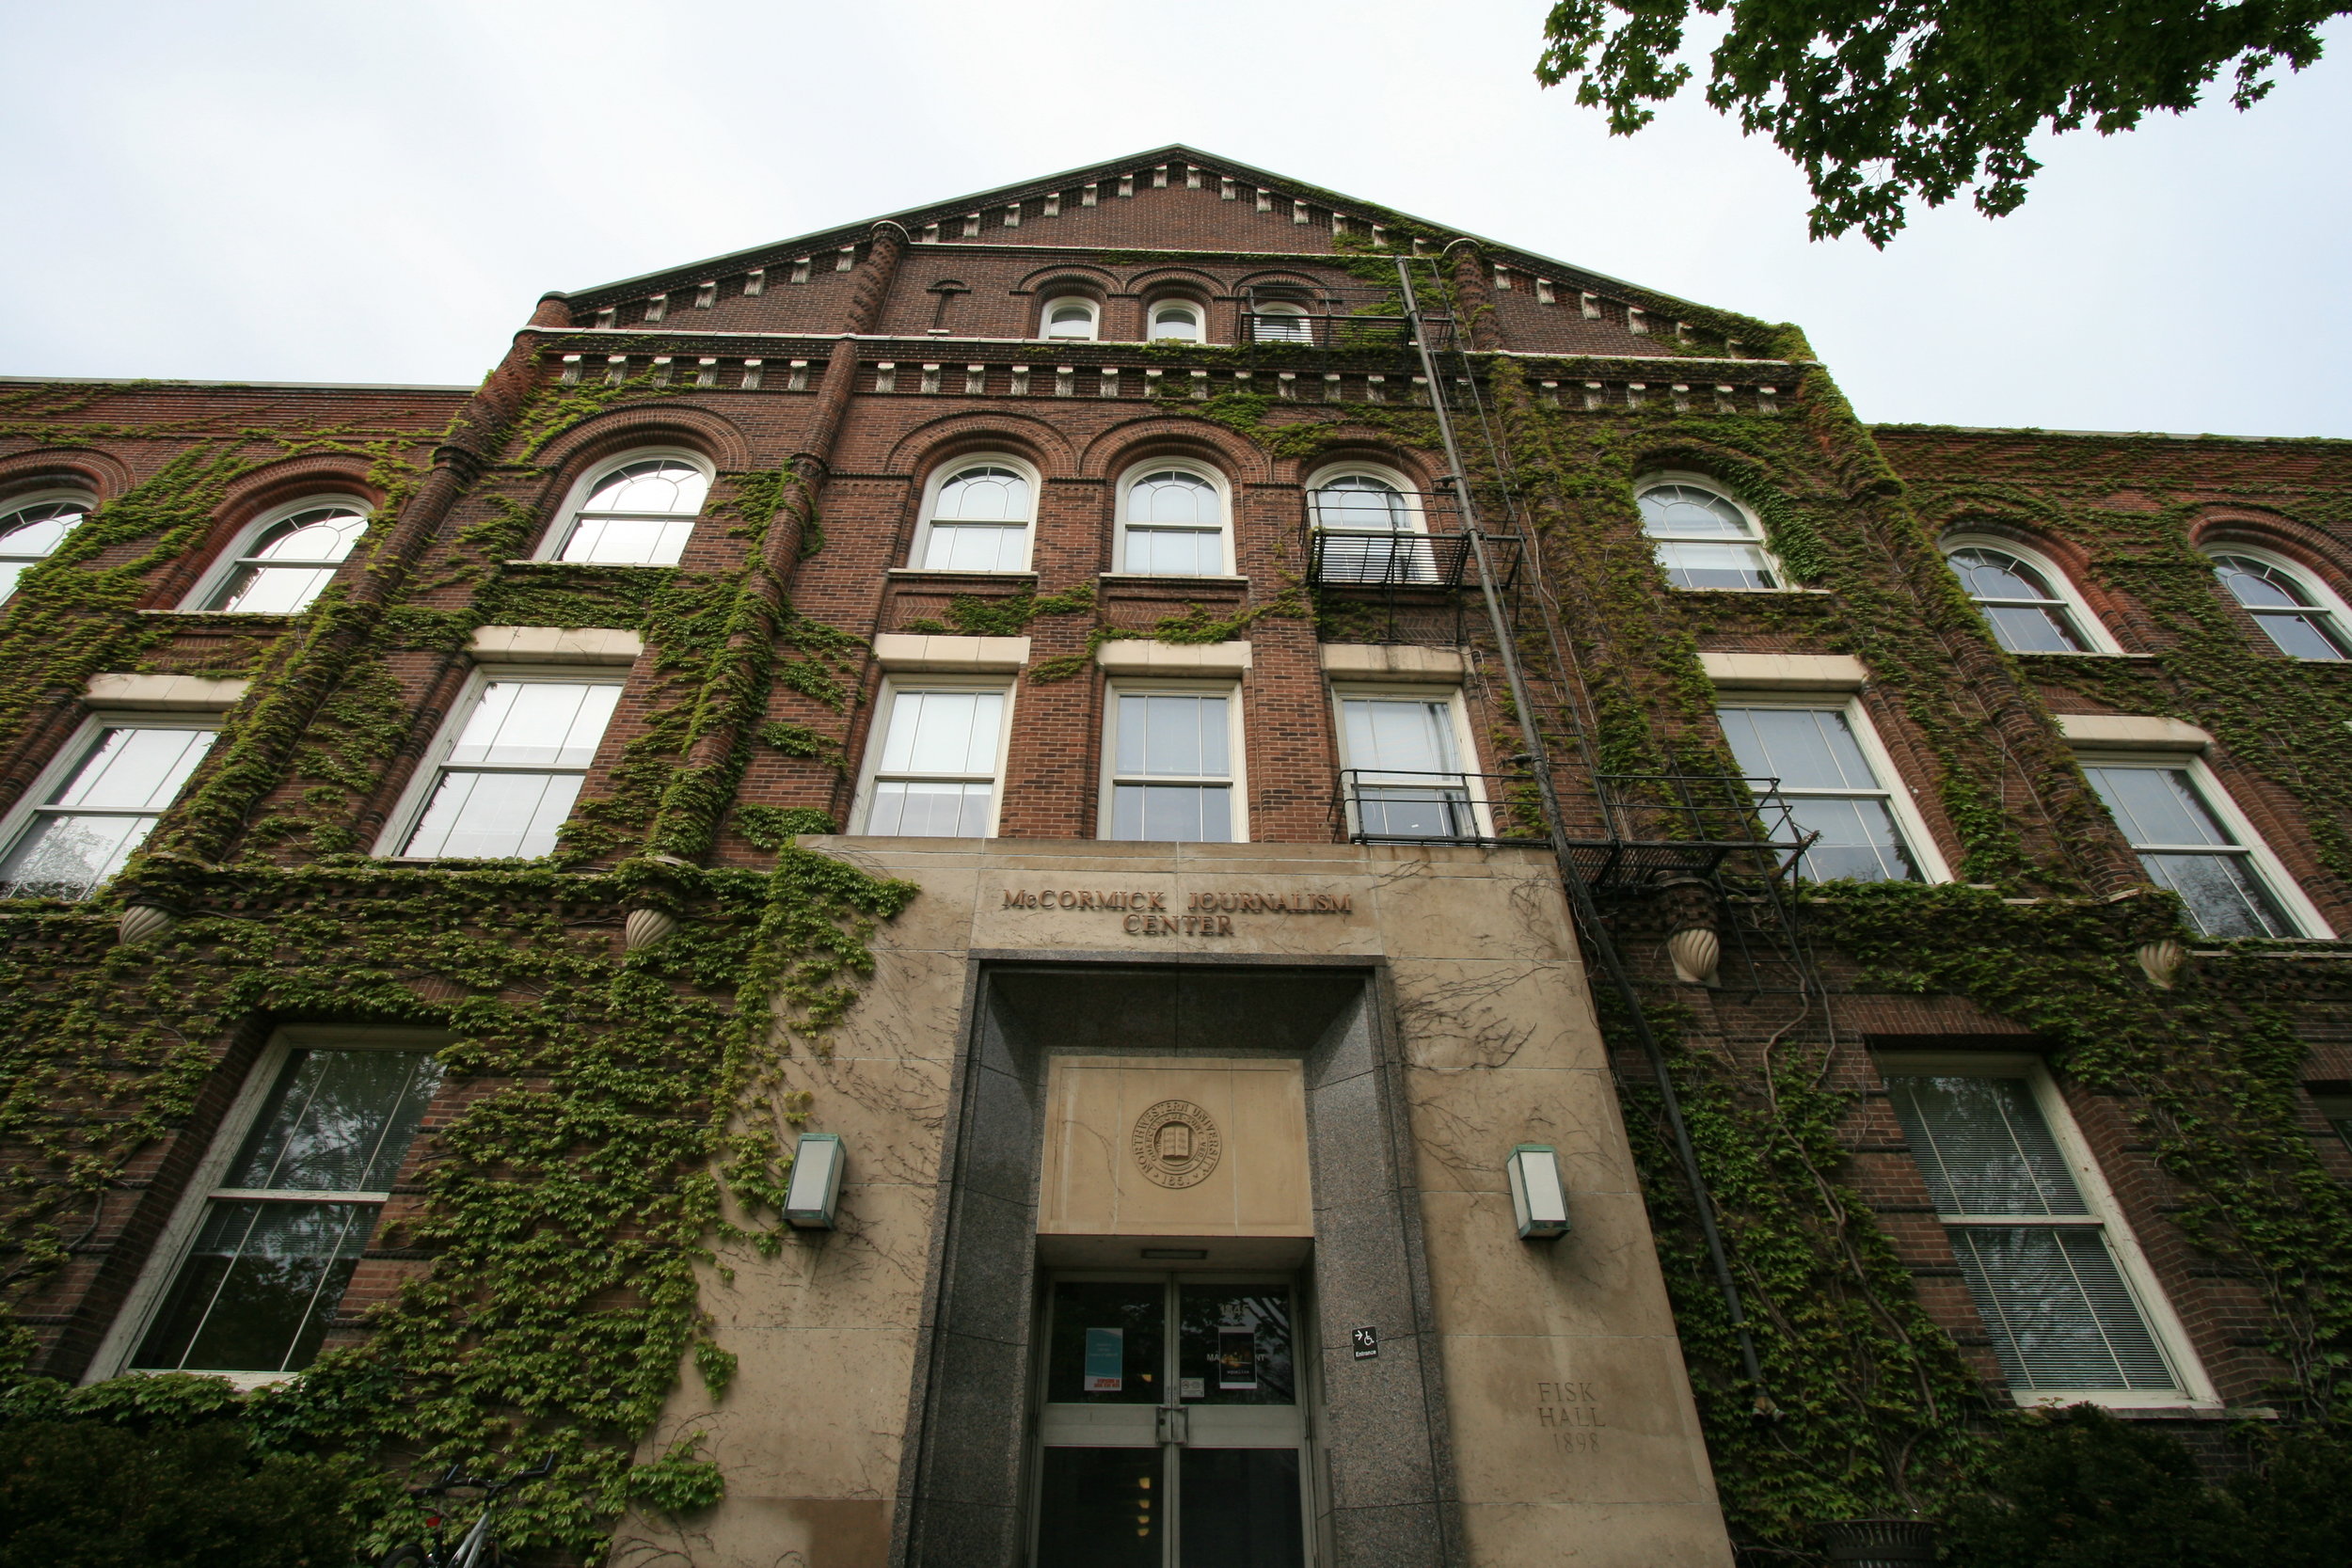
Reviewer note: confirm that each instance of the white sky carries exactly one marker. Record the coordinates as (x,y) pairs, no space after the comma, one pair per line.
(324,190)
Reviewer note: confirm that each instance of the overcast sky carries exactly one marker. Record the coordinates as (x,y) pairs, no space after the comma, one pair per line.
(324,190)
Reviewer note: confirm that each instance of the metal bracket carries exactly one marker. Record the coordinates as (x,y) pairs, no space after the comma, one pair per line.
(1175,1424)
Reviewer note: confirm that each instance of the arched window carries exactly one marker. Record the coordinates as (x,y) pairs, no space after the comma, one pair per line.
(30,529)
(287,559)
(638,511)
(2026,601)
(1177,320)
(1705,539)
(1279,321)
(1172,519)
(2302,617)
(977,515)
(1368,528)
(1071,316)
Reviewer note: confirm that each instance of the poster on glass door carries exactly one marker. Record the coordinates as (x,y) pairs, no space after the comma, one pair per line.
(1106,1360)
(1238,1359)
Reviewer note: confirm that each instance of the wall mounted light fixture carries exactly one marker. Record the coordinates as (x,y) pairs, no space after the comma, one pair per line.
(1538,1197)
(810,1197)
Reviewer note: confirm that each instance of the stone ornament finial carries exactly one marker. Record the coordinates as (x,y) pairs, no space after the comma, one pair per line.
(140,923)
(645,927)
(1697,952)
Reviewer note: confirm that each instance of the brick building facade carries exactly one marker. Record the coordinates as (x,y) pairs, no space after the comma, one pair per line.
(1086,552)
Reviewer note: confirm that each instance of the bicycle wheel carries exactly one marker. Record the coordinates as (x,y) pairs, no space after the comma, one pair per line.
(408,1554)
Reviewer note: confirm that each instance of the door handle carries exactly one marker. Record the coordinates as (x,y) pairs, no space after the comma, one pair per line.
(1175,1424)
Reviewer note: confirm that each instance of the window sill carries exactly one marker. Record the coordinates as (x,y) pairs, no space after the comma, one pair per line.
(1765,592)
(944,574)
(249,617)
(1167,580)
(2168,1406)
(2086,653)
(597,565)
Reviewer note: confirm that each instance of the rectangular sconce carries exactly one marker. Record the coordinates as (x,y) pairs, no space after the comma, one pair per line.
(1537,1199)
(815,1185)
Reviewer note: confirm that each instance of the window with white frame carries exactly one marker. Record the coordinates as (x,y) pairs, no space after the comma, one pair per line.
(1172,522)
(2026,601)
(2054,1276)
(976,516)
(934,774)
(1071,316)
(1179,319)
(2298,614)
(256,1268)
(509,768)
(87,816)
(1704,538)
(2171,812)
(285,560)
(638,511)
(1369,527)
(1172,774)
(1401,760)
(31,528)
(1279,321)
(1831,784)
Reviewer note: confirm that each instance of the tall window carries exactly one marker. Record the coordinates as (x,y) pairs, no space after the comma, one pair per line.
(1369,530)
(935,776)
(2033,1245)
(1174,523)
(508,779)
(980,517)
(2186,846)
(2023,600)
(86,825)
(1177,320)
(287,559)
(1172,767)
(639,513)
(1831,789)
(30,529)
(1071,316)
(285,1224)
(1401,757)
(1705,539)
(2298,615)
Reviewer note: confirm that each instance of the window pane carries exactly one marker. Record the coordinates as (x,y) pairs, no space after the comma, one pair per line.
(2057,1309)
(985,495)
(629,541)
(1180,814)
(1236,1340)
(1173,498)
(2157,805)
(337,1121)
(68,857)
(1431,811)
(943,732)
(1107,1342)
(1990,575)
(1169,552)
(1805,748)
(961,547)
(1239,1509)
(2223,896)
(1983,1145)
(1683,512)
(494,816)
(2257,584)
(1396,734)
(537,723)
(275,590)
(1182,737)
(31,532)
(656,484)
(133,770)
(258,1288)
(1715,566)
(931,810)
(1100,1508)
(2300,636)
(2030,629)
(1178,321)
(1360,501)
(321,533)
(1859,841)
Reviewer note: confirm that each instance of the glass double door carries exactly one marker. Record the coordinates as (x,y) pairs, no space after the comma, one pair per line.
(1171,1430)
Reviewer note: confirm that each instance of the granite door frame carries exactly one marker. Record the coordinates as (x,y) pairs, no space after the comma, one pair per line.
(1386,1495)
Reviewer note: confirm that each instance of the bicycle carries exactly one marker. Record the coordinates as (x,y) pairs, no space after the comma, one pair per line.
(479,1546)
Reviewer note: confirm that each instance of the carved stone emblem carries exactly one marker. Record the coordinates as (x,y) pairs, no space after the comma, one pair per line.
(1176,1144)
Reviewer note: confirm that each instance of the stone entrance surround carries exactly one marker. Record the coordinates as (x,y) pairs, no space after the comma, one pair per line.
(1528,1404)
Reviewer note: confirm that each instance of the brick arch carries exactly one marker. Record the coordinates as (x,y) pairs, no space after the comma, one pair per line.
(1983,521)
(1720,464)
(1360,444)
(1158,277)
(1135,441)
(648,425)
(102,475)
(2314,549)
(1102,277)
(951,436)
(290,480)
